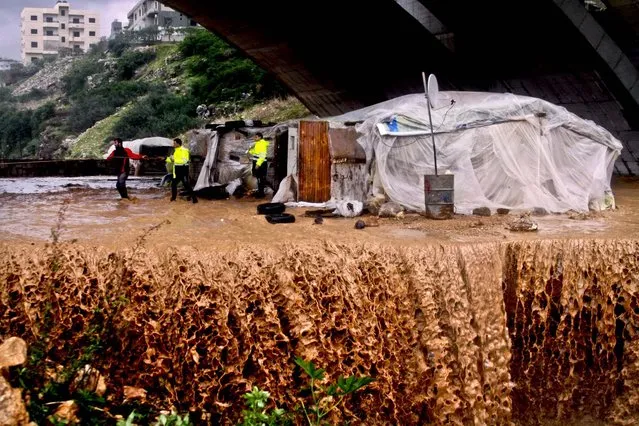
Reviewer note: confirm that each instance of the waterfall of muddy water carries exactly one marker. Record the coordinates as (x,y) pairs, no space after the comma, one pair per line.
(460,322)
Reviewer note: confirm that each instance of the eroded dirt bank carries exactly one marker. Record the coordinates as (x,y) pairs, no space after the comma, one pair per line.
(487,333)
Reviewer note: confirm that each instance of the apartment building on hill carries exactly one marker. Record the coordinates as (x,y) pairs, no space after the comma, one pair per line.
(48,31)
(152,13)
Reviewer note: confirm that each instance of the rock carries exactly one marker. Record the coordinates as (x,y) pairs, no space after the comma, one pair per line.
(318,220)
(390,209)
(360,224)
(67,412)
(540,211)
(132,393)
(12,409)
(13,352)
(482,211)
(523,224)
(503,211)
(88,379)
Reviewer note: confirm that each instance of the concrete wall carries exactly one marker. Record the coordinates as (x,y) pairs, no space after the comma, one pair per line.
(26,168)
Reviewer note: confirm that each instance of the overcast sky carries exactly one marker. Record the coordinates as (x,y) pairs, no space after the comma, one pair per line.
(10,18)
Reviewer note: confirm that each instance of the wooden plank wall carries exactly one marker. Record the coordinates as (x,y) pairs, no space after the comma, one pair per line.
(314,162)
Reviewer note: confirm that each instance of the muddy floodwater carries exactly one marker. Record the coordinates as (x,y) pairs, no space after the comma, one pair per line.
(29,209)
(459,321)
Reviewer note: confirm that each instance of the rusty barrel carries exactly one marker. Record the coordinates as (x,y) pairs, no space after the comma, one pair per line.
(439,193)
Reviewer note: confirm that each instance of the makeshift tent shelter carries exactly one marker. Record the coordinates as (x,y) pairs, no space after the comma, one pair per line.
(506,151)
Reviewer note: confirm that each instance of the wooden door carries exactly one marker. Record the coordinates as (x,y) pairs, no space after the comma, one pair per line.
(314,162)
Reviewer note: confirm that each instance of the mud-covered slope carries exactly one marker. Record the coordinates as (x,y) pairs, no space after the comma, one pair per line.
(484,334)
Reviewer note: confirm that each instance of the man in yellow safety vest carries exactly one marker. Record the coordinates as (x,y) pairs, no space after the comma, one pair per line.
(258,154)
(180,160)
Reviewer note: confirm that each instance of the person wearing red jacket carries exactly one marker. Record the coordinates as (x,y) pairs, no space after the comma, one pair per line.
(121,157)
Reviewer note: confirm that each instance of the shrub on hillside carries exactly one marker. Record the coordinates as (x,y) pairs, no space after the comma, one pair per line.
(220,73)
(161,113)
(130,61)
(75,81)
(19,130)
(97,104)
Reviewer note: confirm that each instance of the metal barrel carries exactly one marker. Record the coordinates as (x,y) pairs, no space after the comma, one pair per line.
(439,194)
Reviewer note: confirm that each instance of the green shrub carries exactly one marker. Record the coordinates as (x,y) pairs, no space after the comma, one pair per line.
(161,113)
(97,104)
(130,61)
(75,81)
(219,73)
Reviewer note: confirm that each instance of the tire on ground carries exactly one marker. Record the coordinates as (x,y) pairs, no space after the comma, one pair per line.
(271,208)
(280,218)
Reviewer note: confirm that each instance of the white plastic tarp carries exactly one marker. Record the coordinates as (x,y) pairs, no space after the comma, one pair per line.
(505,151)
(137,144)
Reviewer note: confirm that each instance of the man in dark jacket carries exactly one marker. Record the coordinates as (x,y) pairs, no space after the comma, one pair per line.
(121,156)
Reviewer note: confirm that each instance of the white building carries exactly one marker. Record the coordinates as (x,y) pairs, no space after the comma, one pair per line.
(7,64)
(152,13)
(47,31)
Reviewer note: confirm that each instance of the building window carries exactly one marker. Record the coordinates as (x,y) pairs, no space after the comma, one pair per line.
(63,12)
(63,26)
(76,20)
(34,31)
(34,59)
(92,33)
(49,19)
(76,34)
(34,18)
(91,20)
(64,39)
(34,44)
(49,33)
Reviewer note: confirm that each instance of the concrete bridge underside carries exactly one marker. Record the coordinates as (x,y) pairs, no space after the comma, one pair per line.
(336,56)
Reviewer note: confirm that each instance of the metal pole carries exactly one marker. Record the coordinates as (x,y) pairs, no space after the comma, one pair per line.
(430,120)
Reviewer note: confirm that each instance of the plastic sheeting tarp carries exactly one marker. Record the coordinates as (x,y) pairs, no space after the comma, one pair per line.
(506,151)
(137,144)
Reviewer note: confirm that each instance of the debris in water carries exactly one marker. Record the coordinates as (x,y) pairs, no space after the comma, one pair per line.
(390,209)
(540,211)
(523,224)
(482,211)
(578,215)
(371,222)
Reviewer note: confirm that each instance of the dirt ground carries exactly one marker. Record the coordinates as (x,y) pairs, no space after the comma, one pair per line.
(95,216)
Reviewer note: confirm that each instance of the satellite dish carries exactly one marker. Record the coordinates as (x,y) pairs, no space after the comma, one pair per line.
(433,93)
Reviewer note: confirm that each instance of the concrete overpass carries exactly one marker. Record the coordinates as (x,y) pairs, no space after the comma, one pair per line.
(336,56)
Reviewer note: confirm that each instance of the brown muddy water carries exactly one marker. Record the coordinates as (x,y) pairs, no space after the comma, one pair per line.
(460,321)
(29,210)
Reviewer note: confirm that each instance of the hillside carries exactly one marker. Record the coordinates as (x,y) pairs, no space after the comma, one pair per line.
(71,107)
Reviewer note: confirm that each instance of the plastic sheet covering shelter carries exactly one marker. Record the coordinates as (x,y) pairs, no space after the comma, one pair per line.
(506,151)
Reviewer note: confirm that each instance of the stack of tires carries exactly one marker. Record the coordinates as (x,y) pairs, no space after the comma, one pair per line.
(274,213)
